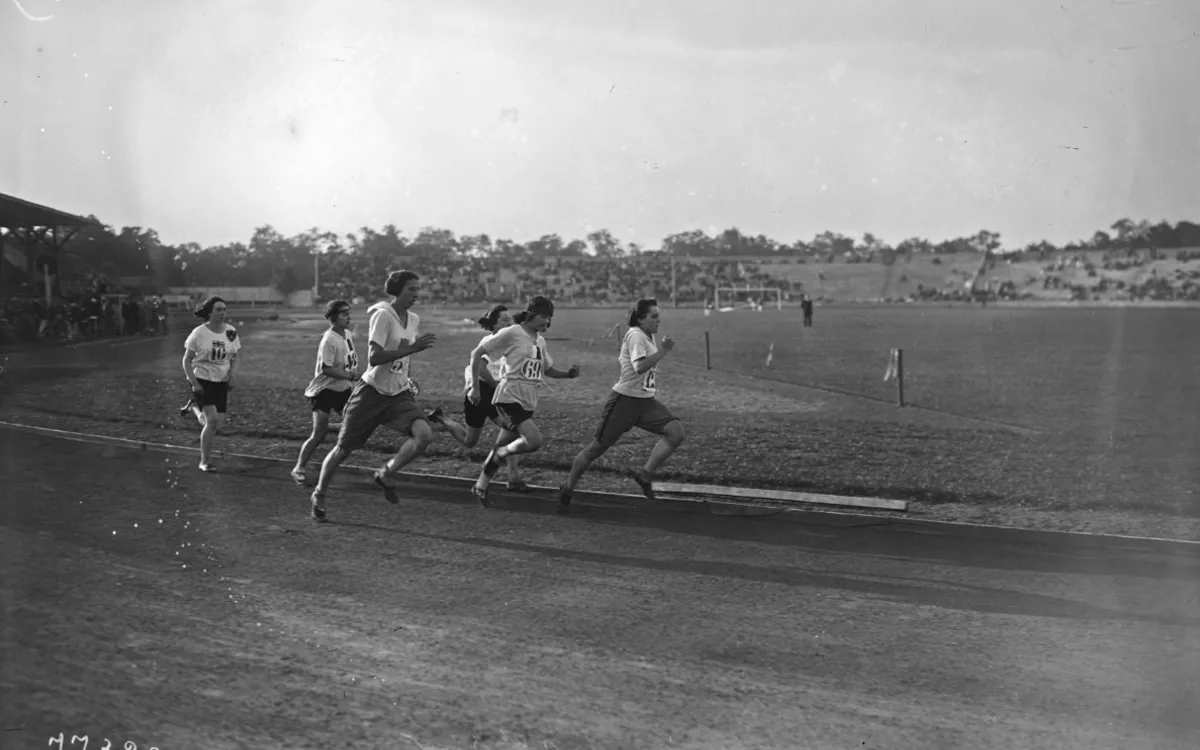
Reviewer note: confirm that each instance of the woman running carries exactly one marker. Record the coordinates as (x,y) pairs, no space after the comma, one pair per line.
(525,363)
(334,376)
(632,403)
(209,362)
(478,415)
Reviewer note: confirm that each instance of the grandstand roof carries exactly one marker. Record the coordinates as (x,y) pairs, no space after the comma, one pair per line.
(16,213)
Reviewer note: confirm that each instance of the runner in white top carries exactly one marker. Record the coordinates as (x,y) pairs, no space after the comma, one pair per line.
(478,415)
(386,393)
(334,374)
(209,362)
(526,363)
(633,403)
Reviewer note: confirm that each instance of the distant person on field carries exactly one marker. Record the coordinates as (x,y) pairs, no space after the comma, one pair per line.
(478,415)
(334,376)
(806,306)
(386,394)
(209,362)
(633,403)
(160,312)
(527,363)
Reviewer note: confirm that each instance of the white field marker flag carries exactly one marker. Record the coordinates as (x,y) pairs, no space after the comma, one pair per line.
(893,361)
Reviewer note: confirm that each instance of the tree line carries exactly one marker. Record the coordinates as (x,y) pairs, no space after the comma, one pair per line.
(286,263)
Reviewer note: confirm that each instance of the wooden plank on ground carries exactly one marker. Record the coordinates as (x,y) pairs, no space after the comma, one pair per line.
(750,493)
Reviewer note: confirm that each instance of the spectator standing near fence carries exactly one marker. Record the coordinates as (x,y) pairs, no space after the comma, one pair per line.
(806,306)
(526,363)
(633,403)
(478,415)
(209,362)
(386,394)
(160,314)
(334,377)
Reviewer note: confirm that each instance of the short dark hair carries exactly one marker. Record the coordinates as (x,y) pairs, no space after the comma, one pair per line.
(488,322)
(204,311)
(640,310)
(397,280)
(334,307)
(537,306)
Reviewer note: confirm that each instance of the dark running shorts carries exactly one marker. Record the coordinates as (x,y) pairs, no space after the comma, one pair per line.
(327,400)
(212,394)
(510,416)
(477,415)
(367,408)
(622,413)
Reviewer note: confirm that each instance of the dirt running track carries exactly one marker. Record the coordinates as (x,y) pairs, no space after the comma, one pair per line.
(147,603)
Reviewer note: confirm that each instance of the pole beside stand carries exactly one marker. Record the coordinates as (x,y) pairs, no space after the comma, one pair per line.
(707,353)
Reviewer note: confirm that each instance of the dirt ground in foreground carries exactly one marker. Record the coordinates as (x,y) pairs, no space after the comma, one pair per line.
(146,602)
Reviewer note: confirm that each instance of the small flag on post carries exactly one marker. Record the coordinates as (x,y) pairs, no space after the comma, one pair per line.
(770,355)
(891,371)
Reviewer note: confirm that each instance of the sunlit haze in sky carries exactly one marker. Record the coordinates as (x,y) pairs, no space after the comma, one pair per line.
(203,119)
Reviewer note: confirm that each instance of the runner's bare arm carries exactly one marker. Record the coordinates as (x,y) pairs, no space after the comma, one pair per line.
(486,376)
(377,355)
(337,372)
(640,366)
(189,370)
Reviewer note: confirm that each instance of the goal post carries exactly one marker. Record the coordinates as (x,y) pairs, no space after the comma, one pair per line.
(733,297)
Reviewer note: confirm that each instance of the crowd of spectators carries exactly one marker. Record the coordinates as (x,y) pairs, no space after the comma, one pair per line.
(94,311)
(578,280)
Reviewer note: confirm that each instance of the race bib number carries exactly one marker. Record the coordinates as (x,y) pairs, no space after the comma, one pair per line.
(648,381)
(352,361)
(218,352)
(532,369)
(401,365)
(416,388)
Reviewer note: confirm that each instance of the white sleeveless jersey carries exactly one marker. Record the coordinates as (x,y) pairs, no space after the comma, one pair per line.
(333,351)
(385,329)
(213,351)
(524,365)
(494,365)
(636,346)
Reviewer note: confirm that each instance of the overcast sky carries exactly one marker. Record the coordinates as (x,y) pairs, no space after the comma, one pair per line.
(206,118)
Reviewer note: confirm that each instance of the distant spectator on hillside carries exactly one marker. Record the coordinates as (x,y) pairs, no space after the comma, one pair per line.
(806,306)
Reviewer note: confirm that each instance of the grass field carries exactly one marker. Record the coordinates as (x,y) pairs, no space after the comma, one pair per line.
(1078,418)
